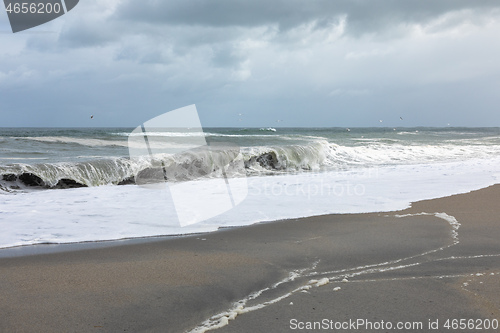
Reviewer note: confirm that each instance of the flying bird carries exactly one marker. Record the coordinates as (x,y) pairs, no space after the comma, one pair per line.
(92,116)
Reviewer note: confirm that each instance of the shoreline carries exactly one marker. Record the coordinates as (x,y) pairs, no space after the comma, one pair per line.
(48,247)
(121,212)
(176,284)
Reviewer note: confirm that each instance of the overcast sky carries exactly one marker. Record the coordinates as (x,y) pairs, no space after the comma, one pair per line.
(304,62)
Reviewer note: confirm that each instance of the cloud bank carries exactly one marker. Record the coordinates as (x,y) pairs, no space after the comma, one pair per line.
(308,63)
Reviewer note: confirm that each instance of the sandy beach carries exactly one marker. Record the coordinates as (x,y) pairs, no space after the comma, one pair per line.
(433,263)
(249,166)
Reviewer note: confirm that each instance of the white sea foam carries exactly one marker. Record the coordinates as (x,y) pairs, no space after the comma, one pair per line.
(240,307)
(24,158)
(455,225)
(81,141)
(115,212)
(320,282)
(315,155)
(195,134)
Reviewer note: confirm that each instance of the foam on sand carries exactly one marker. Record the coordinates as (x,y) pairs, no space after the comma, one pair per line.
(118,212)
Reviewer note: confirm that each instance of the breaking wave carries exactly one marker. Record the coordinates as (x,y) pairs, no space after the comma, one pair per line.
(72,140)
(223,161)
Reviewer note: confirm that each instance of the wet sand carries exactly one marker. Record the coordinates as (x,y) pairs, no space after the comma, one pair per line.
(415,268)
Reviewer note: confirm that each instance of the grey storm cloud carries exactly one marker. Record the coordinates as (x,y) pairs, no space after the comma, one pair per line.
(219,17)
(309,62)
(185,24)
(363,16)
(173,28)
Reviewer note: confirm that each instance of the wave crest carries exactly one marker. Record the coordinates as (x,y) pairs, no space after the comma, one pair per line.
(223,160)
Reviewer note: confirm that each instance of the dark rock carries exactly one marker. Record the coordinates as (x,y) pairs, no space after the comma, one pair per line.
(269,161)
(9,177)
(69,183)
(127,181)
(30,179)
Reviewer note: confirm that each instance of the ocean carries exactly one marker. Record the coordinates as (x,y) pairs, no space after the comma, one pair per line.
(67,185)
